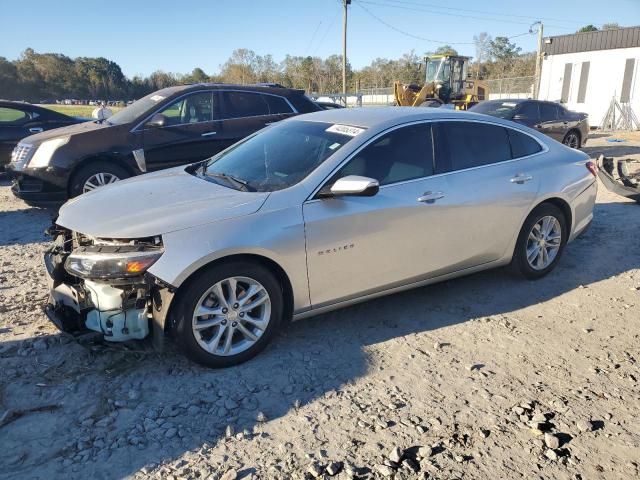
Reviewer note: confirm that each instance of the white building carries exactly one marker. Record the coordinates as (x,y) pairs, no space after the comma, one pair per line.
(586,70)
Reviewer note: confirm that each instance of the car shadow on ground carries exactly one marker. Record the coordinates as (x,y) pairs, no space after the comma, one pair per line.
(120,408)
(27,225)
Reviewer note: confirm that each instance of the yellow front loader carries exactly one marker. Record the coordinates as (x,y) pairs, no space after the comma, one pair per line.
(446,81)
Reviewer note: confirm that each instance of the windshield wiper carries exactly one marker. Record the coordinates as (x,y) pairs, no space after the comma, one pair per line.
(238,182)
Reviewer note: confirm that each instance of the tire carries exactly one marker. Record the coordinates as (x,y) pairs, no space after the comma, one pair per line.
(199,294)
(526,245)
(572,139)
(95,169)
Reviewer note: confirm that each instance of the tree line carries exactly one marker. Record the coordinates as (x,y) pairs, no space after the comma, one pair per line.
(37,76)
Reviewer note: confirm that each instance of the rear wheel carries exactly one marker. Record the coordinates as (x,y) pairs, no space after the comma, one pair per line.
(572,139)
(229,313)
(96,175)
(541,241)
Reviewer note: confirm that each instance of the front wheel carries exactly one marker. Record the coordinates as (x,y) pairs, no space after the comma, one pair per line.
(229,313)
(541,241)
(96,175)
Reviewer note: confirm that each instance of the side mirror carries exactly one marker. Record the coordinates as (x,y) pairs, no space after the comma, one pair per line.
(157,121)
(354,186)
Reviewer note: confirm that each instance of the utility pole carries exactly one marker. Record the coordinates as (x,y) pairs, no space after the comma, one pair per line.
(345,3)
(536,84)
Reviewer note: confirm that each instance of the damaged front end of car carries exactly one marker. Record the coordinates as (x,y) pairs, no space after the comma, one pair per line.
(102,285)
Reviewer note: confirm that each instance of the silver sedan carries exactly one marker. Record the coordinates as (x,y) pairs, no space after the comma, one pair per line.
(309,215)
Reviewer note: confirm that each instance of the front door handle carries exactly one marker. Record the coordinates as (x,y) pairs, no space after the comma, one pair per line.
(208,134)
(430,197)
(35,129)
(521,178)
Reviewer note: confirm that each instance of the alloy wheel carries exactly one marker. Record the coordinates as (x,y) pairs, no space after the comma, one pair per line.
(571,140)
(231,316)
(98,180)
(543,243)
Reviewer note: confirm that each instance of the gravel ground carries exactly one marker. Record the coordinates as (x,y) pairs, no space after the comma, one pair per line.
(487,376)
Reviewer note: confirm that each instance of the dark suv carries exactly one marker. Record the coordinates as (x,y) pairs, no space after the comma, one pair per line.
(173,126)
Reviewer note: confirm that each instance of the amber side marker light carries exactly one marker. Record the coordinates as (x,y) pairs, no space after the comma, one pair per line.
(138,266)
(592,167)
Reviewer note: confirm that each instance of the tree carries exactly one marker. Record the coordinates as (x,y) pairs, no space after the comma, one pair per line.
(588,28)
(482,42)
(197,76)
(502,49)
(444,50)
(610,26)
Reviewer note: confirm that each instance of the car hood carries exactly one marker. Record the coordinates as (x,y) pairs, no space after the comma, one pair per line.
(75,129)
(154,204)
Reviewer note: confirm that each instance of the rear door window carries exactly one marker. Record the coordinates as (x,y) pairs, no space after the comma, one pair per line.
(522,145)
(548,112)
(277,105)
(244,104)
(462,145)
(529,111)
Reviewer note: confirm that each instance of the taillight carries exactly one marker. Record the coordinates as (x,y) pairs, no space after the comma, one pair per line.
(592,167)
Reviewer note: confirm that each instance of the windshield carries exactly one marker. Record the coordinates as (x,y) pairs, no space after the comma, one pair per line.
(279,156)
(495,109)
(437,69)
(137,108)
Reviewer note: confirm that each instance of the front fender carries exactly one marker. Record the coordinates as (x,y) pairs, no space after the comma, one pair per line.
(275,235)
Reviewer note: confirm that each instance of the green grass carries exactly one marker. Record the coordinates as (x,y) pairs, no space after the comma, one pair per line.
(77,110)
(9,115)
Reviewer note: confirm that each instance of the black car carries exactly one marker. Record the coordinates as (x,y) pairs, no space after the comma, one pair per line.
(550,118)
(173,126)
(20,119)
(329,105)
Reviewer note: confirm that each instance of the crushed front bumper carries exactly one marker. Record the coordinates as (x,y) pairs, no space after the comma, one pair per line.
(119,310)
(616,177)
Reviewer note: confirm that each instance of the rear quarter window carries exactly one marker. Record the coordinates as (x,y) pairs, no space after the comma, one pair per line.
(277,105)
(522,145)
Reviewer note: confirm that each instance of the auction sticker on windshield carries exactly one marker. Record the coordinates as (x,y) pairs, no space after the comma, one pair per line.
(345,130)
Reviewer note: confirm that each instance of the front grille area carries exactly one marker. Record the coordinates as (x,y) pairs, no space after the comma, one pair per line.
(20,155)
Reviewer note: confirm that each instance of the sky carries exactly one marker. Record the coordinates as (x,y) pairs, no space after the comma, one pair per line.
(176,36)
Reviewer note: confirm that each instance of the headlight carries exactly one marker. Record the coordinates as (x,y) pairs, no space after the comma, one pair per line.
(45,151)
(100,262)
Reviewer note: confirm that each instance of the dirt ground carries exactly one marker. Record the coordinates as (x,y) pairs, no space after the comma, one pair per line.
(484,377)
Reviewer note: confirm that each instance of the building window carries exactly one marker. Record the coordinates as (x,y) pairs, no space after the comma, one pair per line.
(584,78)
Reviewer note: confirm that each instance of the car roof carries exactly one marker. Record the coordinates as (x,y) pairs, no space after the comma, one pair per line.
(31,107)
(260,87)
(372,117)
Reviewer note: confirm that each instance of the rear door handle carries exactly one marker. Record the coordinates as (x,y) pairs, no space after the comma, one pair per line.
(430,197)
(35,129)
(208,134)
(521,178)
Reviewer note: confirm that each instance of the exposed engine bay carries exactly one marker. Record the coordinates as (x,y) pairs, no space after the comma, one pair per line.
(101,285)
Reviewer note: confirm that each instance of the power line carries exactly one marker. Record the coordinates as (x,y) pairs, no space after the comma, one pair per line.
(531,17)
(459,15)
(418,37)
(329,27)
(313,37)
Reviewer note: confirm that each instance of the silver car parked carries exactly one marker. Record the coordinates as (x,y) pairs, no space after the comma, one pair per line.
(309,215)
